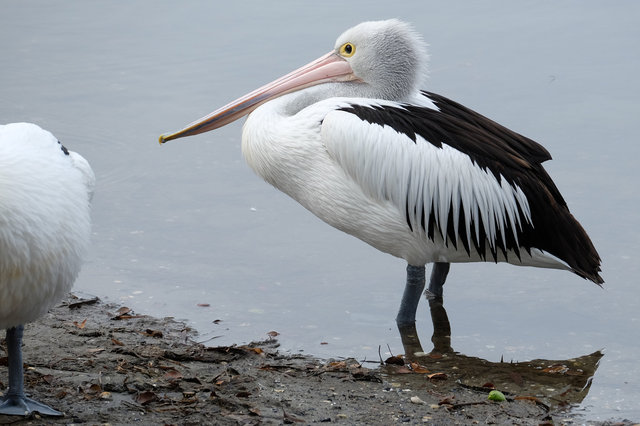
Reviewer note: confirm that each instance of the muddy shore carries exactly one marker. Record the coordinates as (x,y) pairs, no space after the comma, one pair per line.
(100,363)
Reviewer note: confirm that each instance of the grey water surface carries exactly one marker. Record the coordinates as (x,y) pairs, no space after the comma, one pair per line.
(188,223)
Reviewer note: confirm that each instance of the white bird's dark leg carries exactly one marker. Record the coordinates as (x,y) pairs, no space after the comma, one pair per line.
(412,292)
(441,337)
(15,402)
(410,341)
(438,277)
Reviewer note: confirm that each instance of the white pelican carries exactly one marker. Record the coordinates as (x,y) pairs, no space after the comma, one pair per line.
(45,227)
(352,138)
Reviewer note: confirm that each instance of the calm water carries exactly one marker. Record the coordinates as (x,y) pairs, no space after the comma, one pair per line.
(188,223)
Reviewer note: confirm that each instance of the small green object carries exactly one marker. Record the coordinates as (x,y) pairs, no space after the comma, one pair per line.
(495,395)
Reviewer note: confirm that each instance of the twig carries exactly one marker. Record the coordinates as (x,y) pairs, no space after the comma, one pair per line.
(82,302)
(465,404)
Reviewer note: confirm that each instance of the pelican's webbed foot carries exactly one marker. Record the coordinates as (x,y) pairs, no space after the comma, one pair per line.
(15,402)
(20,405)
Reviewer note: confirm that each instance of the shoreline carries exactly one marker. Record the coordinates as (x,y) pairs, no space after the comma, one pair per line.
(102,363)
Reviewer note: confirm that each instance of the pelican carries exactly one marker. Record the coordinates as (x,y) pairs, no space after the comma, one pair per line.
(45,192)
(352,138)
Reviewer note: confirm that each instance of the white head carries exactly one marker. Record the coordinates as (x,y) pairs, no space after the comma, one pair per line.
(390,56)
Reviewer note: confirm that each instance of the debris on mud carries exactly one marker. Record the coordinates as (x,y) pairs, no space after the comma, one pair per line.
(100,363)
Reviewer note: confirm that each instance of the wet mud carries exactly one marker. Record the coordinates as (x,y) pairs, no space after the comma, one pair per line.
(100,363)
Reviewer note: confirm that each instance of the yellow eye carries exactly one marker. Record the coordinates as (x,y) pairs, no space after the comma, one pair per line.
(347,50)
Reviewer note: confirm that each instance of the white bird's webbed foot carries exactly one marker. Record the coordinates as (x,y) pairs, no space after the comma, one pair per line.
(15,402)
(16,405)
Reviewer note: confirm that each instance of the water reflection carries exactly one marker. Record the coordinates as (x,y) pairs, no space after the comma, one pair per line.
(556,383)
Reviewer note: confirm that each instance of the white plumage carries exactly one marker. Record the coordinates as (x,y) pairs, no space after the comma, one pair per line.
(45,192)
(352,138)
(419,176)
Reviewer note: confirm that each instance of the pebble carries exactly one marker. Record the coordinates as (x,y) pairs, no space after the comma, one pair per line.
(416,400)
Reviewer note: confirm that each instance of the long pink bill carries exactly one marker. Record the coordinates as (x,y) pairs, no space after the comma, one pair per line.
(330,67)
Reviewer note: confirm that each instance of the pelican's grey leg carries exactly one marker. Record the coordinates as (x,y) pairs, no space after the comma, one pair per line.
(438,277)
(15,402)
(441,337)
(412,293)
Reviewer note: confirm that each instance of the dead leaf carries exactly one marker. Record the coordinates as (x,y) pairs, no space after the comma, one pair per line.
(449,400)
(116,342)
(153,333)
(489,385)
(273,333)
(288,418)
(48,378)
(254,411)
(336,365)
(146,397)
(394,360)
(204,305)
(437,376)
(417,368)
(249,349)
(80,325)
(402,370)
(94,389)
(324,343)
(365,375)
(173,375)
(123,310)
(556,369)
(218,321)
(95,350)
(123,314)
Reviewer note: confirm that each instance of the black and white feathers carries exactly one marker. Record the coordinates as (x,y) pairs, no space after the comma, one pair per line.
(352,138)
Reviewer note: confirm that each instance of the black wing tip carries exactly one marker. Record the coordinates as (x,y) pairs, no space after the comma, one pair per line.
(598,280)
(591,276)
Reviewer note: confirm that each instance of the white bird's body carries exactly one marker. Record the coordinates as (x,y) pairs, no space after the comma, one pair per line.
(352,138)
(45,226)
(316,157)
